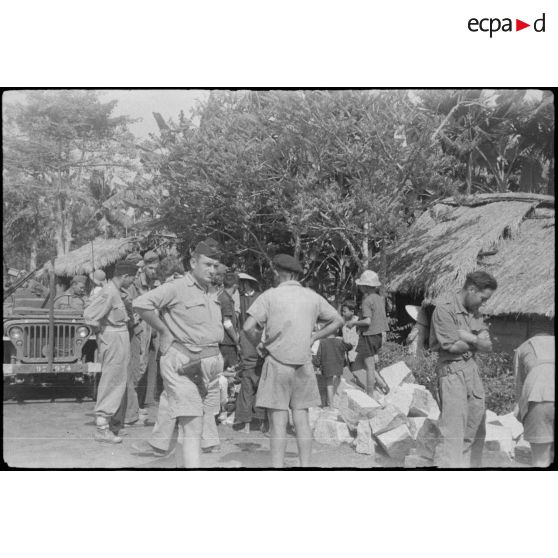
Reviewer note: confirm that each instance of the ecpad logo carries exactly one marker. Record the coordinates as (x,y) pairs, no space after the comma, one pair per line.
(493,25)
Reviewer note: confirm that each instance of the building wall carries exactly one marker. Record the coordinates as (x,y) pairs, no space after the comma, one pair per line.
(508,333)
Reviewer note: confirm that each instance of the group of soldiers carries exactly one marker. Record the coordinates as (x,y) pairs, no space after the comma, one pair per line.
(203,324)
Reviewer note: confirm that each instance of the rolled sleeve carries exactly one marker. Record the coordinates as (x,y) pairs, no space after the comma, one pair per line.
(259,310)
(367,308)
(161,297)
(444,328)
(326,312)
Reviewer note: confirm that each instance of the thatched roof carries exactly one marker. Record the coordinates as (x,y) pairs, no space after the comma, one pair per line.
(104,251)
(509,235)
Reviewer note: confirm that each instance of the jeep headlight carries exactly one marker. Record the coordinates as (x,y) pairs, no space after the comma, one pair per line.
(82,332)
(15,333)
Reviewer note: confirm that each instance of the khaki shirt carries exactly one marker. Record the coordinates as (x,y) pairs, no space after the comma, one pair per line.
(70,300)
(191,314)
(449,316)
(107,309)
(289,313)
(374,307)
(534,368)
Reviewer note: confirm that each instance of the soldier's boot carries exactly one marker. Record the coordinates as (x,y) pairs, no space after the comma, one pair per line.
(103,434)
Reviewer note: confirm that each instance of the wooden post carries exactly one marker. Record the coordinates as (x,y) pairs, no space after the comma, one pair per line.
(51,320)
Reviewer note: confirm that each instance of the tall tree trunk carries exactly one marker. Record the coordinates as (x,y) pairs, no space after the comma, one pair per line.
(550,185)
(298,245)
(68,225)
(365,240)
(33,254)
(59,227)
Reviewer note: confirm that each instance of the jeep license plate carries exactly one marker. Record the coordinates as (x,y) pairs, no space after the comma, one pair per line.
(75,368)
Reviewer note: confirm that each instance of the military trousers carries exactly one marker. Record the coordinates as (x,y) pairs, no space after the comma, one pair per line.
(114,354)
(462,418)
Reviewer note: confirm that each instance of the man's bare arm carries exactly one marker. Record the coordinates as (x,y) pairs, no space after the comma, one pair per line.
(330,328)
(359,323)
(252,330)
(165,336)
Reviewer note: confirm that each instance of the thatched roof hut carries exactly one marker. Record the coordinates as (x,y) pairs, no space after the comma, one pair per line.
(94,255)
(509,235)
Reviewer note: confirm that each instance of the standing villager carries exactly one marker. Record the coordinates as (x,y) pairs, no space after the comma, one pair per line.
(457,333)
(417,340)
(534,366)
(74,297)
(330,359)
(251,363)
(188,320)
(373,326)
(108,314)
(289,313)
(350,334)
(229,347)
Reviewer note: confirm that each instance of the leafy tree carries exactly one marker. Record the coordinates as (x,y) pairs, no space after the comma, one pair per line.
(55,144)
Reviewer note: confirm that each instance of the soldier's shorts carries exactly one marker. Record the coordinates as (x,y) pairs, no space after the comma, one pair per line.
(284,386)
(183,394)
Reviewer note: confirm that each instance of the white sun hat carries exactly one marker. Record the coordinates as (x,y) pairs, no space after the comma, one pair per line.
(369,278)
(246,277)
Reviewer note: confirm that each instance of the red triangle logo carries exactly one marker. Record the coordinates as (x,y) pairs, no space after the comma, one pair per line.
(519,25)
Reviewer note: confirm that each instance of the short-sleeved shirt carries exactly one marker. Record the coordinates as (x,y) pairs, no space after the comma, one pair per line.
(288,313)
(191,314)
(449,316)
(374,307)
(228,312)
(534,367)
(107,308)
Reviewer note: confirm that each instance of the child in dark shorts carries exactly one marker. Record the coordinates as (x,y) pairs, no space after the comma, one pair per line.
(330,358)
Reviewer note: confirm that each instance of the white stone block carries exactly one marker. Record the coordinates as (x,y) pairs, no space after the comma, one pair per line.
(331,432)
(423,403)
(498,438)
(509,421)
(364,442)
(386,419)
(415,424)
(400,397)
(343,386)
(397,443)
(360,402)
(395,374)
(428,438)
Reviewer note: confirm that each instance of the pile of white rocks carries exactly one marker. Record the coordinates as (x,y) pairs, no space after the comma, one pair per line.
(404,423)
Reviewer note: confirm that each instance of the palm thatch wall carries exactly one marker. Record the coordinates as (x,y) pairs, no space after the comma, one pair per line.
(509,235)
(91,256)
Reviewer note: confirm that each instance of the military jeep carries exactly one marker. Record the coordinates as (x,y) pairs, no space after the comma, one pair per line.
(27,345)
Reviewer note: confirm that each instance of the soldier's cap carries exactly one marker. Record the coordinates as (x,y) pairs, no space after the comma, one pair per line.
(135,258)
(125,268)
(150,257)
(288,263)
(246,277)
(209,248)
(79,279)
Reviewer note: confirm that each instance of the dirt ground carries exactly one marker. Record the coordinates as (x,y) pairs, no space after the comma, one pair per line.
(59,434)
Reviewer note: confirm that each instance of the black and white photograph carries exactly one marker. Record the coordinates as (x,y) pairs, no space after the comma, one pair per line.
(267,278)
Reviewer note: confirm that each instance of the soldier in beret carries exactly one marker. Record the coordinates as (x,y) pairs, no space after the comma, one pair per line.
(74,297)
(187,319)
(288,313)
(108,314)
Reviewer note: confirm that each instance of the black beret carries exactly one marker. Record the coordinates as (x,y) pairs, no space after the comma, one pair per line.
(209,248)
(288,263)
(134,257)
(125,268)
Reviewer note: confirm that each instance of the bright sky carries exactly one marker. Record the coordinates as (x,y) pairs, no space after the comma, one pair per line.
(141,103)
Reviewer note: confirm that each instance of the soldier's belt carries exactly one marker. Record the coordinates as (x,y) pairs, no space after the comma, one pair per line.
(197,354)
